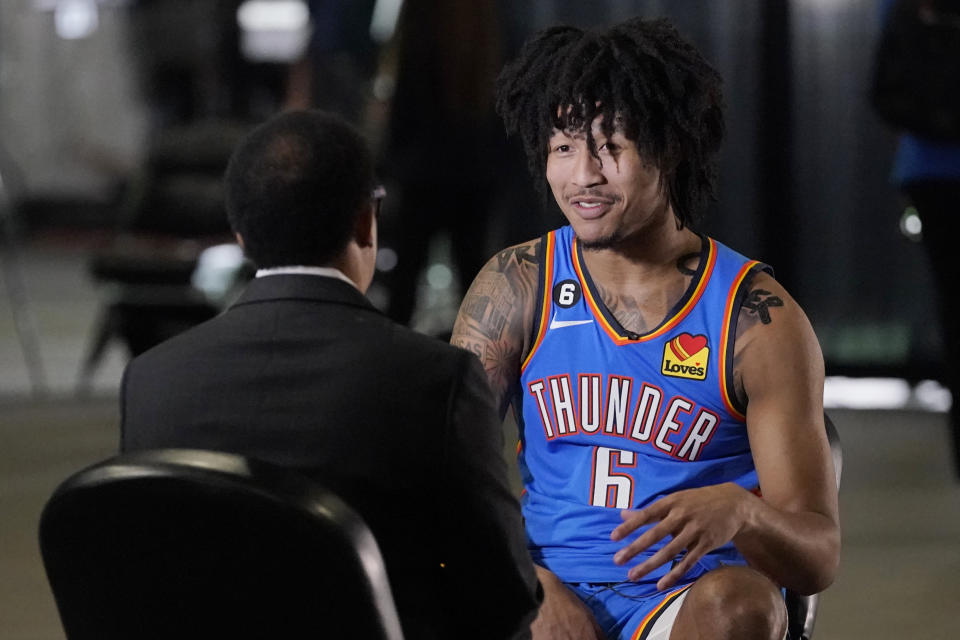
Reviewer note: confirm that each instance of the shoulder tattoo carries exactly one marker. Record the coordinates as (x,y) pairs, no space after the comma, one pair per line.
(518,255)
(758,303)
(754,311)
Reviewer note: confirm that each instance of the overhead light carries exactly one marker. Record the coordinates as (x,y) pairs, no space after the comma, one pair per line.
(386,259)
(439,276)
(273,15)
(911,225)
(273,30)
(76,19)
(384,20)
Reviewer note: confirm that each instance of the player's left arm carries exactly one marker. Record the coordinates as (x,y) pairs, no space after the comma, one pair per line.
(792,533)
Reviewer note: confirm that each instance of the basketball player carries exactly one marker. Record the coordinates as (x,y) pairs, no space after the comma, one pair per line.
(668,390)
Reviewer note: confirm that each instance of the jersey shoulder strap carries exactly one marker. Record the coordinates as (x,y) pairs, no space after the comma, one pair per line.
(544,256)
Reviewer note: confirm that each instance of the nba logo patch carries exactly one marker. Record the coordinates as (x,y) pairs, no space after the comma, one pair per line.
(685,356)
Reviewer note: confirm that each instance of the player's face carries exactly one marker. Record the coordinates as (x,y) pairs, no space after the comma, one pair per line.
(609,197)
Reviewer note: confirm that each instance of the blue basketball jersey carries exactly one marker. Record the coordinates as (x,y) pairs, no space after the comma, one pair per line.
(611,420)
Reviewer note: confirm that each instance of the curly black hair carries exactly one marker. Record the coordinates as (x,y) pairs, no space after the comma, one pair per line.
(295,186)
(639,74)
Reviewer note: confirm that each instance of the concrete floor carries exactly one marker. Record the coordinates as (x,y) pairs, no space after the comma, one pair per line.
(900,572)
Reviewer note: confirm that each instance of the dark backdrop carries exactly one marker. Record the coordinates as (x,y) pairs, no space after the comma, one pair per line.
(804,171)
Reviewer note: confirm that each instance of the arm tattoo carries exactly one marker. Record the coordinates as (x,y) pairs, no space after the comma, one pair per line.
(492,298)
(473,347)
(520,254)
(492,322)
(488,305)
(759,302)
(754,311)
(498,358)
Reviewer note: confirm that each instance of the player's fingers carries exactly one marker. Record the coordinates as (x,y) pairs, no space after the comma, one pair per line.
(632,520)
(666,554)
(652,535)
(680,569)
(635,518)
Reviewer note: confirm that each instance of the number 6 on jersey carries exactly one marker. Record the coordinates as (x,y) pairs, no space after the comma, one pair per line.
(608,488)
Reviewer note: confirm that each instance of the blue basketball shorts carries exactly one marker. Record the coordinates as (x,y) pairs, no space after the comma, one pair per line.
(629,611)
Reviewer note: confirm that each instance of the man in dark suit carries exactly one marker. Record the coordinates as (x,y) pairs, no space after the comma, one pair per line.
(303,371)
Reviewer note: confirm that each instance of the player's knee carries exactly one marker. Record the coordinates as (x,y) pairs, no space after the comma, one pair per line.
(741,602)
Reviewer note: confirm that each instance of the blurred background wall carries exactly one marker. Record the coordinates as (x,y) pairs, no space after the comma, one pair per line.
(117,116)
(72,118)
(89,88)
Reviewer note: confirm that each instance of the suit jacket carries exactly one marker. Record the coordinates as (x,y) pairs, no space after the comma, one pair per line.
(303,371)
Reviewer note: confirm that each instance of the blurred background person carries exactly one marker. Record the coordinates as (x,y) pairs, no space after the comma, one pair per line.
(916,89)
(443,147)
(336,70)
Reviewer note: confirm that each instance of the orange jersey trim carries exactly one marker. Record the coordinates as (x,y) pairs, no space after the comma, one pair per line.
(666,326)
(653,615)
(548,254)
(725,337)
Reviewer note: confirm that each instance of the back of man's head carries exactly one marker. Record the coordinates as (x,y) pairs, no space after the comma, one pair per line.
(295,186)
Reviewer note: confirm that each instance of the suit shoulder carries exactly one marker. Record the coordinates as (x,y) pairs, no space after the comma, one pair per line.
(406,339)
(186,342)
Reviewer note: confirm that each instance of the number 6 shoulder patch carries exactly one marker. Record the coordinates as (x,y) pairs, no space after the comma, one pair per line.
(566,293)
(686,356)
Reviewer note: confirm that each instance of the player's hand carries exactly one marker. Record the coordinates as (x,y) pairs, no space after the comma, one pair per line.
(699,521)
(562,615)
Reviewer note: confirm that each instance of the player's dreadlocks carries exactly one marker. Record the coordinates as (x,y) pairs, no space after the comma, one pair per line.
(660,89)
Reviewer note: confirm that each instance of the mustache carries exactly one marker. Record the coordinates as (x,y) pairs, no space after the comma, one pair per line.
(593,193)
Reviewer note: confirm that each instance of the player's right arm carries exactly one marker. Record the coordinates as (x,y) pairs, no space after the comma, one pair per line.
(496,316)
(495,322)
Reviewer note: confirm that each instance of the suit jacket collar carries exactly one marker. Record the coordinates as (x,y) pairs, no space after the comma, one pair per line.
(303,287)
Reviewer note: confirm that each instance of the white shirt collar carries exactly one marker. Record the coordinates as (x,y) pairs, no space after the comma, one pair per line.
(328,272)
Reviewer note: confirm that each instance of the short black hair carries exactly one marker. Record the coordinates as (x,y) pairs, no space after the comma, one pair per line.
(666,96)
(294,187)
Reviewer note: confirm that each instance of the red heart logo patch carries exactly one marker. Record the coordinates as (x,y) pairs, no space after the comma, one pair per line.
(685,345)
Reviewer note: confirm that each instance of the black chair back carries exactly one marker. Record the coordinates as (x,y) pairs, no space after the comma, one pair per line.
(180,543)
